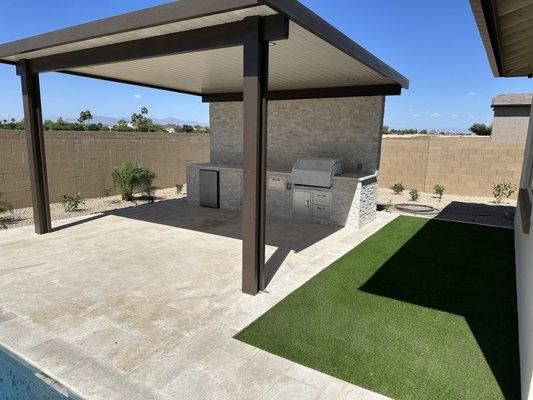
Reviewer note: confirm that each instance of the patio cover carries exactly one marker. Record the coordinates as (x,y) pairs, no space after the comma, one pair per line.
(162,47)
(223,50)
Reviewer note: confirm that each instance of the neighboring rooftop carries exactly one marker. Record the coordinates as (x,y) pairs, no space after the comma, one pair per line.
(517,99)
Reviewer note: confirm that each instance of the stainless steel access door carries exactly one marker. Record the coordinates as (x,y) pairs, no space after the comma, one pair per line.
(302,203)
(209,188)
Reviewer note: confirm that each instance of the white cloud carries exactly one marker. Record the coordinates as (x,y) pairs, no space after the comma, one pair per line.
(416,115)
(435,115)
(410,110)
(472,93)
(137,96)
(455,115)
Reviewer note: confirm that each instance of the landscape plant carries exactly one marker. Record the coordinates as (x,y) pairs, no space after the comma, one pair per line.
(503,190)
(4,208)
(132,177)
(106,192)
(72,203)
(179,188)
(414,194)
(388,207)
(398,188)
(439,189)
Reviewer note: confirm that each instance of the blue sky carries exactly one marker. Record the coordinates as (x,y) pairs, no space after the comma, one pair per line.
(435,44)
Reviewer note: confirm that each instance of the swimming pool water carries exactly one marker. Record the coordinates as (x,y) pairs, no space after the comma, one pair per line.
(19,381)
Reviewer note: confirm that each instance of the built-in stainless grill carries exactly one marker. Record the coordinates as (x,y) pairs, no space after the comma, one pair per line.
(317,172)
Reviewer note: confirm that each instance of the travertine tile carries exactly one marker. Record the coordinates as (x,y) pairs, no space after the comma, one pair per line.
(143,305)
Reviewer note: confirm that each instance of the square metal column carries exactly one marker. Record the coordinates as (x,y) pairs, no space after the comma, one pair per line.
(33,121)
(255,112)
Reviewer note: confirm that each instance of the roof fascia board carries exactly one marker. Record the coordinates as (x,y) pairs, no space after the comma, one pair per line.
(315,24)
(318,93)
(160,15)
(486,20)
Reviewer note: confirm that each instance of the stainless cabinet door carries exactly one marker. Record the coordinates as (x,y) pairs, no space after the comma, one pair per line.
(302,203)
(209,189)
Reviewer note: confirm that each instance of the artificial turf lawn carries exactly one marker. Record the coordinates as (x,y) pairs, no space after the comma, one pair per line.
(420,310)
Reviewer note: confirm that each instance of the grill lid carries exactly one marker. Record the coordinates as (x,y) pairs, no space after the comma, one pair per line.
(317,172)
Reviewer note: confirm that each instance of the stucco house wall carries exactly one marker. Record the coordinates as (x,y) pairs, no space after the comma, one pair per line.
(510,123)
(524,276)
(511,117)
(345,128)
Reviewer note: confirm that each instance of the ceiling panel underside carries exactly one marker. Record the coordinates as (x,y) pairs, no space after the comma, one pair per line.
(515,19)
(304,61)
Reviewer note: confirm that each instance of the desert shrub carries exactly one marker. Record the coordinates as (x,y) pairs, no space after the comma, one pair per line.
(132,177)
(415,194)
(503,190)
(439,190)
(4,208)
(398,188)
(388,207)
(179,188)
(72,203)
(107,192)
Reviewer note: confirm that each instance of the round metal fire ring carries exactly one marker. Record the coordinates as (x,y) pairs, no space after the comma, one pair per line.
(416,209)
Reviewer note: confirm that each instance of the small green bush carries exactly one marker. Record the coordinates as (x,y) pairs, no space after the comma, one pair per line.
(439,190)
(107,192)
(179,188)
(133,177)
(502,190)
(388,207)
(398,188)
(4,208)
(72,203)
(415,194)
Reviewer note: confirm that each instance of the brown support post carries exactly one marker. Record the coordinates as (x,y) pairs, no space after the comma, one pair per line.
(255,111)
(31,97)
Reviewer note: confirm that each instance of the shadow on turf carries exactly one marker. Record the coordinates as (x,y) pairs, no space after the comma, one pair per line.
(461,272)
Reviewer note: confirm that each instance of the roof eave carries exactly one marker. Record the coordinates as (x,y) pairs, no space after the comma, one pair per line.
(484,15)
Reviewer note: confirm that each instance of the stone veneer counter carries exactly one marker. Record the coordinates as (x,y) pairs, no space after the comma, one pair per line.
(353,196)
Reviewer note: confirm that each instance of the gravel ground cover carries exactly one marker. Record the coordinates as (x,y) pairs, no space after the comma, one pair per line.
(24,216)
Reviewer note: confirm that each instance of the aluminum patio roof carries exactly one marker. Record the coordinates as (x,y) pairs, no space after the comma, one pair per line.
(315,55)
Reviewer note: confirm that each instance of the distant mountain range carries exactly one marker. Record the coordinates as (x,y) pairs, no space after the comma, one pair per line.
(100,119)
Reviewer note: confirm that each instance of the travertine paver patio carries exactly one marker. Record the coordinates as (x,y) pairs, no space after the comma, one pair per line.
(143,303)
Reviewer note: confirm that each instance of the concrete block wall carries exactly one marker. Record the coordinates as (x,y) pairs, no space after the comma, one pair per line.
(466,166)
(345,128)
(83,161)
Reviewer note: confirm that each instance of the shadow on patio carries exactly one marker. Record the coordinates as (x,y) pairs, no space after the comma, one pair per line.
(486,214)
(285,235)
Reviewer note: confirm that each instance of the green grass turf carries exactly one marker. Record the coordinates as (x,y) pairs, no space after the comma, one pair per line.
(420,310)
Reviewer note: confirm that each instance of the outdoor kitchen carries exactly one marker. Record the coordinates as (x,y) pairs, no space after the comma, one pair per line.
(323,160)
